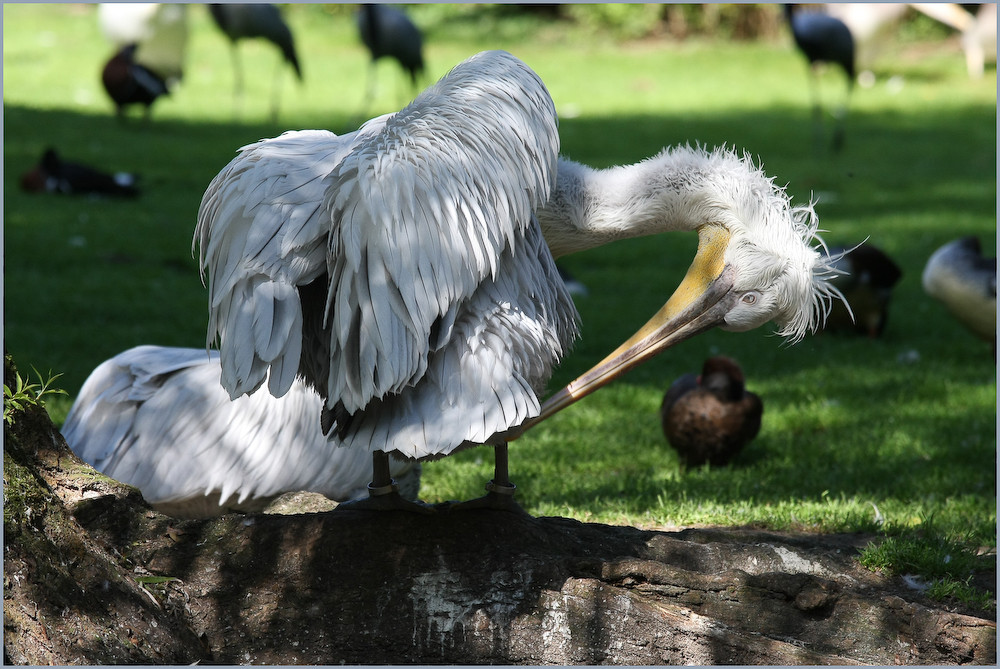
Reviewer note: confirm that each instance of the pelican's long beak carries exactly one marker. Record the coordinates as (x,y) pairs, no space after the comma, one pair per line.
(700,303)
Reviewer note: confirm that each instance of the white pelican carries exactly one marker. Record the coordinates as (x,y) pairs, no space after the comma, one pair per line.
(401,270)
(157,419)
(964,281)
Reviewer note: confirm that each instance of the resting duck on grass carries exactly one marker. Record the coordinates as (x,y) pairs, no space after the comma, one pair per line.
(867,282)
(52,174)
(710,418)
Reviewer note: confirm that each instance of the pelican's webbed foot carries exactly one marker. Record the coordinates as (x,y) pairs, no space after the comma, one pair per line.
(385,498)
(499,496)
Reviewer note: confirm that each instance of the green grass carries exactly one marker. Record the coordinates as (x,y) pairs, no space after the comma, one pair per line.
(905,424)
(943,566)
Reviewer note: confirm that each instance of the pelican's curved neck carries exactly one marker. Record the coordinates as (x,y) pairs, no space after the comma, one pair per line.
(590,207)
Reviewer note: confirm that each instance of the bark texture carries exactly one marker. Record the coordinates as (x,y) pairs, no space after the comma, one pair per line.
(91,575)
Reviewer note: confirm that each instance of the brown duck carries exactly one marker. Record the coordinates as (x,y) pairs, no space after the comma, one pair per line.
(710,418)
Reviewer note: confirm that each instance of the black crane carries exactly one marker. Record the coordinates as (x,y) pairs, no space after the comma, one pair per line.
(128,83)
(824,39)
(387,31)
(256,21)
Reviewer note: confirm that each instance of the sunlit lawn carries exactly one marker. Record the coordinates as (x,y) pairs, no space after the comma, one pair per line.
(903,426)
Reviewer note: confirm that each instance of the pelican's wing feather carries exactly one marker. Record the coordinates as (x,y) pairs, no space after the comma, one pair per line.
(262,232)
(157,418)
(422,210)
(482,371)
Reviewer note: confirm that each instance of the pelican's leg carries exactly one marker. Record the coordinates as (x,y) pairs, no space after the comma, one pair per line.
(499,491)
(500,483)
(383,493)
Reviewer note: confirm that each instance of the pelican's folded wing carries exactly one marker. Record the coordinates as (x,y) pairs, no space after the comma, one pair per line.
(262,231)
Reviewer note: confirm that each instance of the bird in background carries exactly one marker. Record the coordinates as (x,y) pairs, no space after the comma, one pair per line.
(868,276)
(824,39)
(979,40)
(159,31)
(157,419)
(129,83)
(977,24)
(387,31)
(52,174)
(711,417)
(964,281)
(250,21)
(407,271)
(872,24)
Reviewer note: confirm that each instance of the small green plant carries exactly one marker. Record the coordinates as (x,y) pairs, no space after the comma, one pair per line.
(26,394)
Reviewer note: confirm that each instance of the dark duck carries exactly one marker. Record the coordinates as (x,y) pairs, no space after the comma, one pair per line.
(869,276)
(710,418)
(963,280)
(129,83)
(52,174)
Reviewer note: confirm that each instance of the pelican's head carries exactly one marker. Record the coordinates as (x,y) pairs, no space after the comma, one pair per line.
(764,261)
(759,259)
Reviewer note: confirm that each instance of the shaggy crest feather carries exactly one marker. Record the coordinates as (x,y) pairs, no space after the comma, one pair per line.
(777,244)
(774,243)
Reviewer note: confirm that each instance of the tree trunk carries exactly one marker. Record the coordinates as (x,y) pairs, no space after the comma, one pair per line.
(87,569)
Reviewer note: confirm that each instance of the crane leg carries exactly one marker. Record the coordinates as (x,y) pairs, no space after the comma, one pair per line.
(369,95)
(499,491)
(276,90)
(383,493)
(840,120)
(817,110)
(237,81)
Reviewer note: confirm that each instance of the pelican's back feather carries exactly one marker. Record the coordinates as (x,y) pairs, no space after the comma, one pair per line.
(156,418)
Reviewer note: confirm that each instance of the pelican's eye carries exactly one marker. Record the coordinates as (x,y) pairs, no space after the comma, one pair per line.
(750,310)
